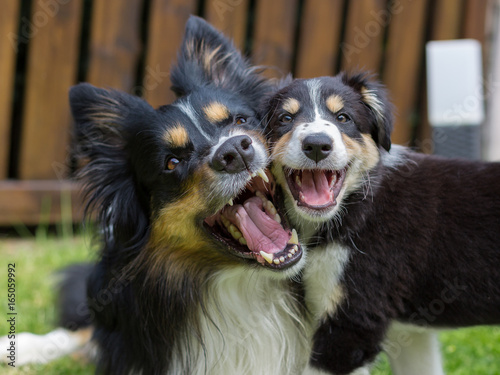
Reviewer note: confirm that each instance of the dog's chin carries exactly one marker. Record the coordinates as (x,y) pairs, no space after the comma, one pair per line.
(314,194)
(251,228)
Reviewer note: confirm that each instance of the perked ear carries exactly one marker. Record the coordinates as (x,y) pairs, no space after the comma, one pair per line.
(207,57)
(104,123)
(374,96)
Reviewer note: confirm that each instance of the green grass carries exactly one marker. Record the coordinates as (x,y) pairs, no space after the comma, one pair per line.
(36,260)
(466,351)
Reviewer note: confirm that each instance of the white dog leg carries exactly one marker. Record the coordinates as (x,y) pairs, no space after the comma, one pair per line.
(31,348)
(413,350)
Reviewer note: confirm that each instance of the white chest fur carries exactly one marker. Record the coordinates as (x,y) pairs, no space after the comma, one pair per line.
(325,267)
(251,324)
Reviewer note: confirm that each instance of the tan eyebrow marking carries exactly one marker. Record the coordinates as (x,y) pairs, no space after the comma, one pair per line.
(334,103)
(291,105)
(176,136)
(216,112)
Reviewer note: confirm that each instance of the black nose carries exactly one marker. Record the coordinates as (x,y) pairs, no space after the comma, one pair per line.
(234,155)
(317,146)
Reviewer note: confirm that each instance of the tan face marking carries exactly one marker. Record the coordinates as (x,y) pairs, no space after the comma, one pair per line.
(176,136)
(291,105)
(334,103)
(365,151)
(177,240)
(216,112)
(280,148)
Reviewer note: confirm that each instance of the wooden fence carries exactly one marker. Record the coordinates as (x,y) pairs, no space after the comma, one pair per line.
(48,45)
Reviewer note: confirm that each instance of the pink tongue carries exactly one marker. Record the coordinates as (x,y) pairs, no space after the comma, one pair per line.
(315,189)
(260,231)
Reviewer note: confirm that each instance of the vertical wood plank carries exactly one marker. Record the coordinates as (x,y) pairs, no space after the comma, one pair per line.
(476,25)
(362,47)
(319,39)
(274,35)
(52,67)
(475,19)
(8,32)
(166,29)
(403,64)
(115,43)
(230,17)
(446,19)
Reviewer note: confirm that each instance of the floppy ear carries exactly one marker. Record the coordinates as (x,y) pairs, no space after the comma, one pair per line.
(207,57)
(374,96)
(104,124)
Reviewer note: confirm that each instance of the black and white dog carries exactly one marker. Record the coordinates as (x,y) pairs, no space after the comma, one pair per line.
(393,235)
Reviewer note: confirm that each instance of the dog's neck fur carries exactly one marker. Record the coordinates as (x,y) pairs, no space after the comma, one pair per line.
(250,323)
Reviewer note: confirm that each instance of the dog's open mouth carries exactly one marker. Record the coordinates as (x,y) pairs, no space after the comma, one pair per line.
(316,189)
(252,227)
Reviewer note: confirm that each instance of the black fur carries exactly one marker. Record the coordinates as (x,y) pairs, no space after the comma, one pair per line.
(72,304)
(425,245)
(227,69)
(382,122)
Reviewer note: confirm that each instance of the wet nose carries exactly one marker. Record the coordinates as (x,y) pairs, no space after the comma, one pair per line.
(234,155)
(317,146)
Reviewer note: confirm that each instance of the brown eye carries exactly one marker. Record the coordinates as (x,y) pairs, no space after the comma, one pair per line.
(285,118)
(240,120)
(343,118)
(171,164)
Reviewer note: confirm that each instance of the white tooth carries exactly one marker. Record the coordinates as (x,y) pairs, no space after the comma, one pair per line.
(290,255)
(282,259)
(268,257)
(230,202)
(297,181)
(292,251)
(261,196)
(253,174)
(276,261)
(243,241)
(225,221)
(334,180)
(269,206)
(235,232)
(262,175)
(277,218)
(294,239)
(295,247)
(301,196)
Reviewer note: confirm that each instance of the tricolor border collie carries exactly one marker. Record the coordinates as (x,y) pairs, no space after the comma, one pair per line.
(189,224)
(393,235)
(196,267)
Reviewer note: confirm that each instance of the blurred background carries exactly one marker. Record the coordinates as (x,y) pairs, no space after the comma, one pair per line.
(48,45)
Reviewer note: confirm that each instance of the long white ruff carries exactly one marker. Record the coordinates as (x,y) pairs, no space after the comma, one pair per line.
(251,325)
